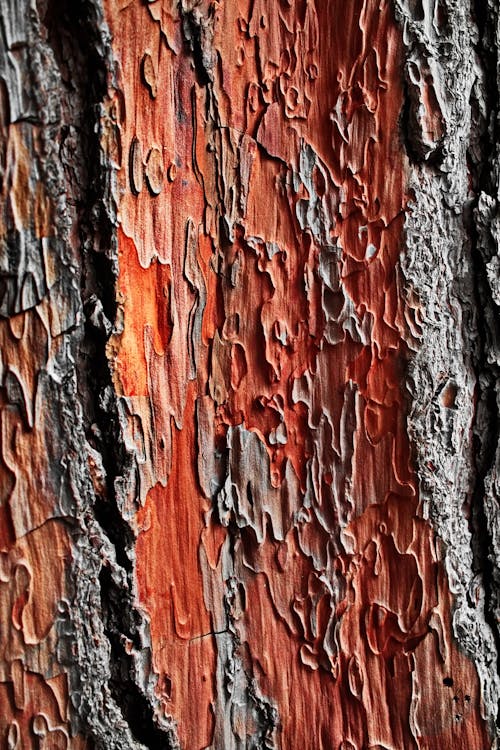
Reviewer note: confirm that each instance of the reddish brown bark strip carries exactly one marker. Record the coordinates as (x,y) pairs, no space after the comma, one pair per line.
(261,365)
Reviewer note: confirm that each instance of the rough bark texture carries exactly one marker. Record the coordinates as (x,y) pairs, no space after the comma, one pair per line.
(249,377)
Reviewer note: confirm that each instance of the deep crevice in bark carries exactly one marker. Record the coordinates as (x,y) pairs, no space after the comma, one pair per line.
(118,615)
(76,39)
(482,160)
(268,718)
(194,29)
(409,130)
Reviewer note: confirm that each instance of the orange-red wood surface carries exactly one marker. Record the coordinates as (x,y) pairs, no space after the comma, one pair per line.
(262,362)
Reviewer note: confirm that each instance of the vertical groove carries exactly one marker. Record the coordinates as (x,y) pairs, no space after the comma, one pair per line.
(78,39)
(482,217)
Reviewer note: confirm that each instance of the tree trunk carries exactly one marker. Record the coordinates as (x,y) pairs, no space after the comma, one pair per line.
(249,395)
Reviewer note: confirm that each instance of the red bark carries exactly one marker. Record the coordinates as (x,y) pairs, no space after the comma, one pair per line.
(281,223)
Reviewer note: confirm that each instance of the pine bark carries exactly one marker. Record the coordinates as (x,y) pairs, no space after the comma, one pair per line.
(249,374)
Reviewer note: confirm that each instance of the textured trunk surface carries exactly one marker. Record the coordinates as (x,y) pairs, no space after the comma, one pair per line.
(249,395)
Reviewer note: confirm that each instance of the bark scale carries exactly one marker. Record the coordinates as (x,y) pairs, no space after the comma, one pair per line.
(249,375)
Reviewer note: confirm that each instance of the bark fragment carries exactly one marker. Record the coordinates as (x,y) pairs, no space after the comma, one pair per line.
(242,348)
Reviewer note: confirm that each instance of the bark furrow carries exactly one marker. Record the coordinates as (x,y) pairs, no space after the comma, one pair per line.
(249,377)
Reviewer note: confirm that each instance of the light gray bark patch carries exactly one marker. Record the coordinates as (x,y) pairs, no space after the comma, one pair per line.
(441,266)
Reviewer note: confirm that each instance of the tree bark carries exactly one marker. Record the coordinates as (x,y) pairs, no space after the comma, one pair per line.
(249,378)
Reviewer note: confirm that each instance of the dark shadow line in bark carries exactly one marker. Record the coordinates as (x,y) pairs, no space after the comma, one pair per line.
(74,32)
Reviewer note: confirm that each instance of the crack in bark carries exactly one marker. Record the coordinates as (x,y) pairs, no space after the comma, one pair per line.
(197,32)
(118,615)
(79,48)
(268,719)
(409,130)
(486,427)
